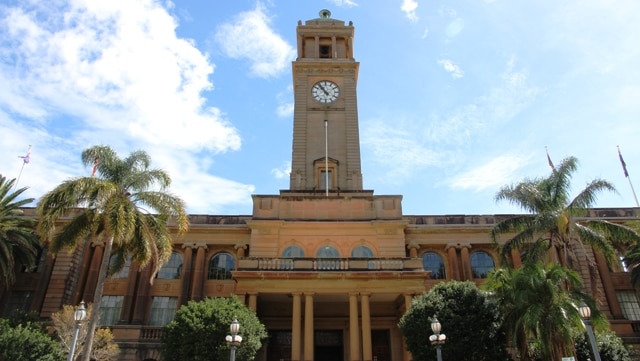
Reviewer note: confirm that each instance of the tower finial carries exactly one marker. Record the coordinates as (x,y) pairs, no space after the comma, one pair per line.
(325,14)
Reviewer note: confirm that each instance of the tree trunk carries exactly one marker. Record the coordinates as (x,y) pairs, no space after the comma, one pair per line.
(97,300)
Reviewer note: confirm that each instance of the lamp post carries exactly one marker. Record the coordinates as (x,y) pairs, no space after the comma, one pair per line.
(585,313)
(437,338)
(79,315)
(234,339)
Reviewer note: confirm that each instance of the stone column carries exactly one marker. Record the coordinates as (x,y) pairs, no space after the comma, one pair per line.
(467,274)
(413,250)
(406,355)
(185,277)
(308,327)
(367,351)
(296,327)
(129,297)
(354,334)
(198,273)
(142,296)
(94,270)
(253,301)
(454,272)
(241,249)
(515,258)
(609,288)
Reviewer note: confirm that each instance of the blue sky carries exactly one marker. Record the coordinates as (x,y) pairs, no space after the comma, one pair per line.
(456,99)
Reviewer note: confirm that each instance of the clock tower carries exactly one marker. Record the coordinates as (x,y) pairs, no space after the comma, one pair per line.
(326,144)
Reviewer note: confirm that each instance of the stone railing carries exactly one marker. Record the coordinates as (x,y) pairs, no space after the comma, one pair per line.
(329,264)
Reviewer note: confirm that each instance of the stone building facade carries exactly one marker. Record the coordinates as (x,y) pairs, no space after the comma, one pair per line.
(328,266)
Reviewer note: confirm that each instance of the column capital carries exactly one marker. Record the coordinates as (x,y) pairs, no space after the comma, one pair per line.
(241,246)
(189,245)
(97,244)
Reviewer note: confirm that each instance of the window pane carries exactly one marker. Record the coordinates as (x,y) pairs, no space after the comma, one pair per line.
(110,308)
(293,252)
(323,179)
(163,309)
(481,264)
(362,252)
(124,272)
(629,304)
(220,266)
(432,261)
(172,269)
(328,252)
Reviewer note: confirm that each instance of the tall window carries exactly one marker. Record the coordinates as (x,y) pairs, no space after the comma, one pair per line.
(629,304)
(220,266)
(18,301)
(323,179)
(432,261)
(163,309)
(110,307)
(481,264)
(362,252)
(293,252)
(172,269)
(327,252)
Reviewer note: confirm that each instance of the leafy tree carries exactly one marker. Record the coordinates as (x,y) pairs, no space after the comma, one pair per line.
(27,342)
(555,218)
(539,301)
(18,240)
(104,348)
(199,329)
(115,208)
(469,320)
(610,347)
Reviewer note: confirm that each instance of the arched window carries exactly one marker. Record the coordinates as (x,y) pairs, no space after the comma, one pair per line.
(432,261)
(172,269)
(220,266)
(293,252)
(362,252)
(327,252)
(481,264)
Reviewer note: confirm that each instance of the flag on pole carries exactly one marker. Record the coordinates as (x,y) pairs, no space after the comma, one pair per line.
(26,158)
(549,159)
(624,165)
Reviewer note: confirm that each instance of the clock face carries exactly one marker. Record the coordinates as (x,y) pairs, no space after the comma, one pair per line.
(325,91)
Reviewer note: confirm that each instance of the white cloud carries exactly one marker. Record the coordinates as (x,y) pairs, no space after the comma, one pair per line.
(251,37)
(451,68)
(79,73)
(283,171)
(494,173)
(345,3)
(455,27)
(409,8)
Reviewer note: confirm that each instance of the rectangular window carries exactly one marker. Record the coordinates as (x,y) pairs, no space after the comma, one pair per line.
(629,304)
(18,301)
(110,308)
(323,179)
(163,309)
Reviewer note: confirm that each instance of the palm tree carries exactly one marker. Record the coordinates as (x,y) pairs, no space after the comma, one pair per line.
(18,241)
(540,301)
(116,208)
(557,221)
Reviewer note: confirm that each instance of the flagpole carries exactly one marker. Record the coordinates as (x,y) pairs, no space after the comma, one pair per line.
(25,160)
(326,157)
(626,174)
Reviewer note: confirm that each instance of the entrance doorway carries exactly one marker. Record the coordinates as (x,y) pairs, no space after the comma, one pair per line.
(380,340)
(279,347)
(328,345)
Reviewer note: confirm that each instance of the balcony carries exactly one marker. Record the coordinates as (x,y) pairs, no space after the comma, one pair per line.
(329,264)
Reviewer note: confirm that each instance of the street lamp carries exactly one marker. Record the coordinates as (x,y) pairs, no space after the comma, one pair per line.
(585,313)
(79,315)
(437,338)
(234,339)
